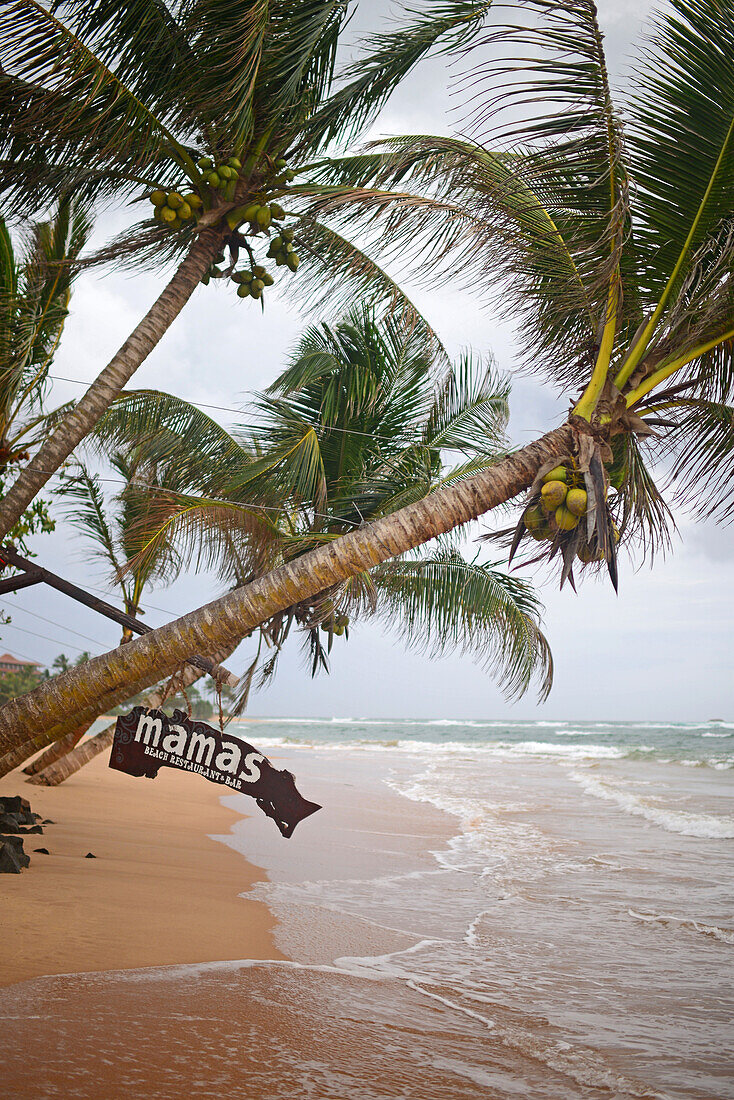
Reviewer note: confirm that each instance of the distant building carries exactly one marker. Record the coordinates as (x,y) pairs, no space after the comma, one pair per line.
(8,663)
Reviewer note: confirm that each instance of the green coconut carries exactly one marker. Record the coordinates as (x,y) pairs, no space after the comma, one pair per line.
(553,495)
(184,211)
(257,284)
(205,162)
(277,210)
(174,200)
(577,501)
(158,197)
(168,214)
(281,163)
(268,279)
(293,261)
(288,234)
(587,555)
(235,162)
(565,520)
(243,291)
(263,216)
(558,473)
(536,522)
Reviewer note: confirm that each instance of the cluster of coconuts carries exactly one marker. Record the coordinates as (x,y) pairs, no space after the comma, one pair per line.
(337,624)
(252,283)
(219,175)
(560,508)
(283,251)
(174,209)
(260,217)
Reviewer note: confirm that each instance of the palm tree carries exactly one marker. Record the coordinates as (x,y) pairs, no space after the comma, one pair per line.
(35,288)
(201,108)
(614,248)
(353,430)
(113,533)
(355,427)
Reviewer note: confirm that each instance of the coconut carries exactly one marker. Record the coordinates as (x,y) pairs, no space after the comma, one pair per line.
(254,292)
(213,180)
(576,501)
(565,520)
(193,200)
(288,234)
(263,217)
(205,162)
(243,291)
(234,162)
(553,495)
(293,261)
(168,214)
(257,284)
(587,555)
(277,210)
(184,211)
(558,473)
(158,197)
(281,163)
(174,200)
(224,172)
(268,280)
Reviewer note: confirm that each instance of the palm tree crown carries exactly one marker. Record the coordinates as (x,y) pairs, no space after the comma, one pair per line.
(357,426)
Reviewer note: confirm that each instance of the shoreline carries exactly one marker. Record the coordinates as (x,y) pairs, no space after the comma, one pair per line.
(161,891)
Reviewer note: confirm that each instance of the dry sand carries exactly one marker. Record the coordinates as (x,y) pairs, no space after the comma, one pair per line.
(160,890)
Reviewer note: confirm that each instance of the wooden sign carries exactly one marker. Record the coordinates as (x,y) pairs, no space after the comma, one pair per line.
(146,740)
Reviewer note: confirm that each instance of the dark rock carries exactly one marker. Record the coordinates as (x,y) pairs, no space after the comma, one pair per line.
(90,855)
(33,829)
(9,823)
(14,804)
(48,821)
(43,851)
(12,857)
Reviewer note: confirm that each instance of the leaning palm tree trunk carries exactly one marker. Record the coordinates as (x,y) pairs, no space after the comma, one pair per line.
(53,732)
(100,395)
(56,751)
(61,769)
(70,762)
(234,615)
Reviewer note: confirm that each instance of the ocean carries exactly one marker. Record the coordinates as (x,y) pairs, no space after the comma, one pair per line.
(573,899)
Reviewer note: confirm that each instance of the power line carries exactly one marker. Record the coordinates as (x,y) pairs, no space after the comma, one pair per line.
(27,611)
(239,412)
(44,637)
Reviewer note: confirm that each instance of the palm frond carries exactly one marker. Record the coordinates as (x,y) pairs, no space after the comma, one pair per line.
(441,602)
(681,137)
(62,108)
(471,410)
(383,60)
(84,505)
(701,446)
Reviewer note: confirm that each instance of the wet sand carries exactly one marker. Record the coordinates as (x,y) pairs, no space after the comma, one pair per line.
(160,890)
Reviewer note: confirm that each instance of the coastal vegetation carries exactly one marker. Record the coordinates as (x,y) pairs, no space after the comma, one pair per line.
(603,222)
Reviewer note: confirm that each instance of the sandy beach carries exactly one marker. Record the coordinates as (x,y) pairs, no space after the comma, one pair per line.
(160,890)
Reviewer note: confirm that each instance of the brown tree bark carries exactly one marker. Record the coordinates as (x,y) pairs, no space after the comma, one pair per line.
(49,734)
(236,614)
(71,762)
(100,395)
(56,751)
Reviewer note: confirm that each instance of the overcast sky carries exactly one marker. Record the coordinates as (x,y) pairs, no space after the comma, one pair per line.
(659,651)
